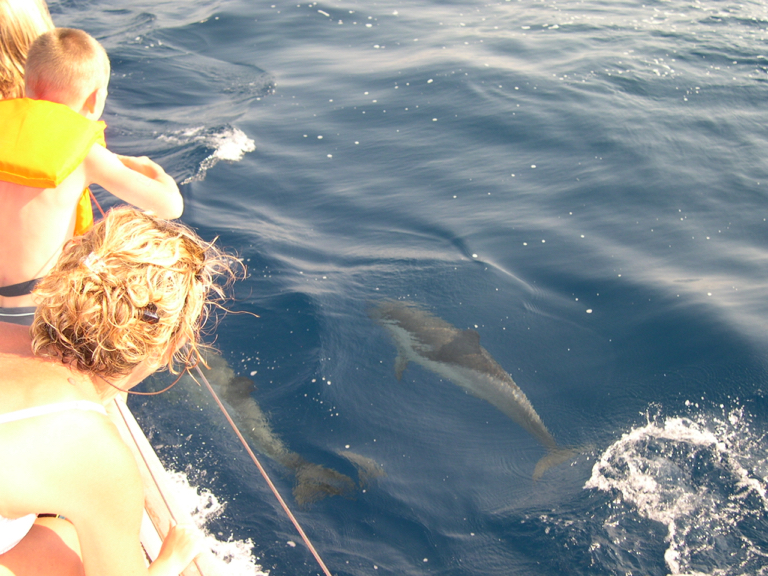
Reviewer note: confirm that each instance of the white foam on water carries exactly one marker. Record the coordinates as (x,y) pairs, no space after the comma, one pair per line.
(228,143)
(234,557)
(704,479)
(231,145)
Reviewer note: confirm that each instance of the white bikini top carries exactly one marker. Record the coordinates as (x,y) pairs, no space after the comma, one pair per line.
(51,409)
(12,531)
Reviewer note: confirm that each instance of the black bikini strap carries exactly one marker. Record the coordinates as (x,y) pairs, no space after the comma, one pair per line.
(20,289)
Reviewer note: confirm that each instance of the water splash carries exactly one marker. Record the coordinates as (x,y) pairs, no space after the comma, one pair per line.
(704,479)
(228,143)
(234,557)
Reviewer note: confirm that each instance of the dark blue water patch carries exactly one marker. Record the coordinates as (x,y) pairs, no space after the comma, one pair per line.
(637,545)
(224,35)
(274,346)
(236,85)
(558,542)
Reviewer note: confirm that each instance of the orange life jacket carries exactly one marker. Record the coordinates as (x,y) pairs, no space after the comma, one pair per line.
(42,142)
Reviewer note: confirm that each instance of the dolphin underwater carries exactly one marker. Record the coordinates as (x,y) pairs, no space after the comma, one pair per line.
(457,356)
(313,482)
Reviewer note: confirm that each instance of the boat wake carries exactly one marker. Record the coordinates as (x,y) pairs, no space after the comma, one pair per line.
(234,557)
(703,478)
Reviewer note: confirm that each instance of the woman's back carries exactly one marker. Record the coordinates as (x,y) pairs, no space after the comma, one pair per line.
(49,429)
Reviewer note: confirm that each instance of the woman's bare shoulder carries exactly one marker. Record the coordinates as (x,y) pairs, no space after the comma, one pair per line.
(84,437)
(73,455)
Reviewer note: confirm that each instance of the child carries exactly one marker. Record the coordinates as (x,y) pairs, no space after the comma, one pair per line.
(51,150)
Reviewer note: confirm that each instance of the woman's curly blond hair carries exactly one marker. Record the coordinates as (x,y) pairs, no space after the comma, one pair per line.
(134,288)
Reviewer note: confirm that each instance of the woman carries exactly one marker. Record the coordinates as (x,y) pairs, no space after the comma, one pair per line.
(124,300)
(21,21)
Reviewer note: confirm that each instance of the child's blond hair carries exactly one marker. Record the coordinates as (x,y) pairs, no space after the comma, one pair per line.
(21,21)
(65,65)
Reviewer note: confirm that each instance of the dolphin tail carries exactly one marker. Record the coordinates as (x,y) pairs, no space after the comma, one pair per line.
(554,457)
(367,469)
(315,482)
(401,362)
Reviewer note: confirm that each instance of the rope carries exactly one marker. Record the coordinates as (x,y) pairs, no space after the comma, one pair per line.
(264,474)
(93,199)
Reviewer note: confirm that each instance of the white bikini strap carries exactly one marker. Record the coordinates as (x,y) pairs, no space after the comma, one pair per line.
(51,409)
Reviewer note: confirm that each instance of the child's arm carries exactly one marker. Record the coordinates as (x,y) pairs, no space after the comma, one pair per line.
(138,181)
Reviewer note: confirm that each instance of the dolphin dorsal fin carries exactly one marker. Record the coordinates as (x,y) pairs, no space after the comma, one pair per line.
(465,343)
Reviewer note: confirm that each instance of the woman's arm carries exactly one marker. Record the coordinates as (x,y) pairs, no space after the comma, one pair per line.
(98,488)
(181,545)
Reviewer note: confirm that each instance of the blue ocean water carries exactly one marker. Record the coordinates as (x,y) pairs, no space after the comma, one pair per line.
(581,182)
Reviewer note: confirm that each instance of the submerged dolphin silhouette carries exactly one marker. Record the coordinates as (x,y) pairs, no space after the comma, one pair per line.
(313,481)
(456,355)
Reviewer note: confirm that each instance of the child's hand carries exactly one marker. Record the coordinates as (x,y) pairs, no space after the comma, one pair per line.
(143,165)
